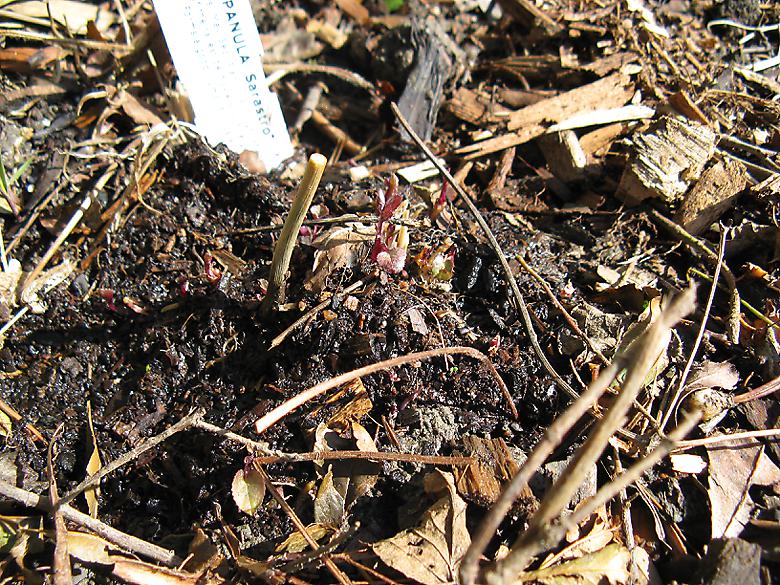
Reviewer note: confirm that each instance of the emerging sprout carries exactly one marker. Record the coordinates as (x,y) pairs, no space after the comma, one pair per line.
(390,244)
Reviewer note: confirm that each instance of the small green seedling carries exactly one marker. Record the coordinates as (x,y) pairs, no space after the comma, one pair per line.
(9,202)
(286,243)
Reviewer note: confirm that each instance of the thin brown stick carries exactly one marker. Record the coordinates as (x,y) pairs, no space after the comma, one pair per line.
(125,541)
(288,406)
(640,358)
(337,220)
(268,456)
(300,321)
(134,453)
(764,433)
(368,570)
(731,281)
(558,305)
(327,561)
(62,572)
(11,413)
(672,404)
(763,390)
(370,455)
(518,296)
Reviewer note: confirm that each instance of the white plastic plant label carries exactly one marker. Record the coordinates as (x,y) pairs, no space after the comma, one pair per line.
(218,55)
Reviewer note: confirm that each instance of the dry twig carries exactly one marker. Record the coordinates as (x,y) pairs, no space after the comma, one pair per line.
(518,296)
(639,359)
(125,541)
(131,455)
(288,406)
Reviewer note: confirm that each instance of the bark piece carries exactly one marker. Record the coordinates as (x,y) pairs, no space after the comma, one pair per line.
(732,561)
(712,196)
(666,159)
(435,63)
(470,106)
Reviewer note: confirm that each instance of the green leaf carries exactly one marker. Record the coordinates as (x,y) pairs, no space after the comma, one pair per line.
(393,5)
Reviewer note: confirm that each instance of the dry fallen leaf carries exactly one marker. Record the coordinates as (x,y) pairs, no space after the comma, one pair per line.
(687,463)
(352,478)
(248,490)
(732,471)
(431,552)
(141,573)
(340,247)
(328,503)
(89,548)
(74,15)
(609,565)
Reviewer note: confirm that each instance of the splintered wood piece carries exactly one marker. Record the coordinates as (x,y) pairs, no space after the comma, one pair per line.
(532,121)
(712,196)
(666,159)
(564,155)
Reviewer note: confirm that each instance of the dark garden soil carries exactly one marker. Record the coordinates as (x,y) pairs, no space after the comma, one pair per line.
(157,314)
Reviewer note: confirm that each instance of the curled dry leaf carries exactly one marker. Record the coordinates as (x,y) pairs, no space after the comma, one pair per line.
(352,478)
(296,543)
(89,548)
(93,466)
(248,490)
(328,503)
(431,551)
(701,392)
(340,247)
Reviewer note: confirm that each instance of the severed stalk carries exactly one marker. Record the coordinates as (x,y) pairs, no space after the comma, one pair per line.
(287,239)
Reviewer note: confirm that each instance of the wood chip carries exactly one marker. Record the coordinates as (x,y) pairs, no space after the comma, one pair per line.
(712,196)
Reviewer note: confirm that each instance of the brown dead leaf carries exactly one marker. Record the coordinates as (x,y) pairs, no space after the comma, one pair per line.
(141,573)
(74,15)
(93,466)
(609,565)
(352,478)
(203,554)
(135,109)
(431,552)
(340,247)
(90,548)
(733,471)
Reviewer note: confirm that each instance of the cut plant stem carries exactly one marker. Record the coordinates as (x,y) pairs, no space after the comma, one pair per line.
(289,236)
